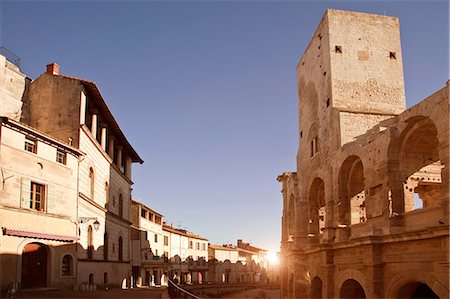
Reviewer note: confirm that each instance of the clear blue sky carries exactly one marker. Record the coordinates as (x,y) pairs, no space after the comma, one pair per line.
(206,91)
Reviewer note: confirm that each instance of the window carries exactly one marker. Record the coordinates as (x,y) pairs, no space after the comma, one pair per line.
(166,240)
(61,157)
(37,197)
(30,145)
(156,238)
(120,206)
(106,195)
(198,246)
(143,213)
(314,146)
(90,243)
(203,247)
(190,244)
(146,235)
(92,182)
(105,246)
(338,49)
(156,252)
(166,254)
(392,55)
(120,249)
(105,278)
(66,266)
(91,279)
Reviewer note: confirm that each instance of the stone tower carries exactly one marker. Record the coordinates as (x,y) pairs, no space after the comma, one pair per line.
(350,78)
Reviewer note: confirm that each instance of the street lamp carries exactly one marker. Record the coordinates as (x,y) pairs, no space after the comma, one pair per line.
(82,220)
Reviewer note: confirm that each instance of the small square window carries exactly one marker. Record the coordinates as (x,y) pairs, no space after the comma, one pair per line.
(60,157)
(338,49)
(392,55)
(30,145)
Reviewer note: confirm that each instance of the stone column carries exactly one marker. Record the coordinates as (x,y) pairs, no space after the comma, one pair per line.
(119,156)
(94,125)
(111,146)
(128,167)
(83,103)
(103,139)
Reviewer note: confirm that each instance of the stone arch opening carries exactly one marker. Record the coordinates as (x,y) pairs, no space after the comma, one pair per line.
(352,196)
(91,183)
(316,288)
(415,167)
(317,207)
(35,265)
(90,243)
(120,205)
(67,265)
(120,248)
(351,289)
(416,290)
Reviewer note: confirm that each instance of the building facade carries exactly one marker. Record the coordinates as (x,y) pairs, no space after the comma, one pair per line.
(366,213)
(243,263)
(150,246)
(70,115)
(188,255)
(38,205)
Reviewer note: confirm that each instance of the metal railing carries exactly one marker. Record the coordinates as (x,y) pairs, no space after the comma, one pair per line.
(176,292)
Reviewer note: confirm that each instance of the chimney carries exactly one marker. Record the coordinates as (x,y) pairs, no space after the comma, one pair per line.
(53,69)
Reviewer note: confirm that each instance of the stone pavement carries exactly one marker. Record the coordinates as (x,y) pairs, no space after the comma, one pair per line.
(149,293)
(254,294)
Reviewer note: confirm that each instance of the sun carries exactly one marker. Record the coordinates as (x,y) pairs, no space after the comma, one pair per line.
(273,258)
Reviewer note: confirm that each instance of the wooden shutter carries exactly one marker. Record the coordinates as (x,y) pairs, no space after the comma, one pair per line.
(25,193)
(50,202)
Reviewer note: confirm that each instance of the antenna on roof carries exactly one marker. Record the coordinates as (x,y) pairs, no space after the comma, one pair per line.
(10,56)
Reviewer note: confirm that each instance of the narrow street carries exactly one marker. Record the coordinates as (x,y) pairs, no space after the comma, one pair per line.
(149,293)
(254,294)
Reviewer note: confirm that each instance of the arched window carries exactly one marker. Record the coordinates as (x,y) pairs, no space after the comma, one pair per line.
(90,243)
(92,182)
(67,266)
(120,249)
(316,288)
(91,279)
(352,200)
(316,207)
(352,289)
(415,167)
(120,205)
(106,195)
(105,246)
(105,278)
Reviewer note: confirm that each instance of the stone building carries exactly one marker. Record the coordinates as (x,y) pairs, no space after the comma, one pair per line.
(38,205)
(73,110)
(69,115)
(237,264)
(150,246)
(366,213)
(187,253)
